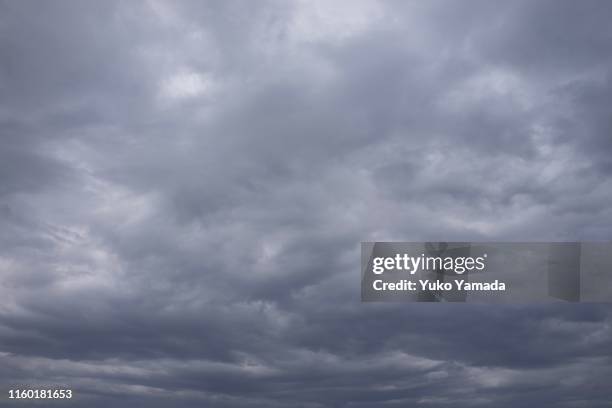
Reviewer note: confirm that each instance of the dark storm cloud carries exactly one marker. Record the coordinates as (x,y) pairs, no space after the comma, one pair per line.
(184,187)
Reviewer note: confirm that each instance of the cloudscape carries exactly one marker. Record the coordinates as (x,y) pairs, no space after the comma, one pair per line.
(184,187)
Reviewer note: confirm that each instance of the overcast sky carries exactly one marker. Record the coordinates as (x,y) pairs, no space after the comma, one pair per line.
(184,187)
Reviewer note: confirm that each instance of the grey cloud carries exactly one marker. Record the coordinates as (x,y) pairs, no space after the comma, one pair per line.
(184,186)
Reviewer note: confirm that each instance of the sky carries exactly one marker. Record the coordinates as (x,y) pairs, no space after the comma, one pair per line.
(184,187)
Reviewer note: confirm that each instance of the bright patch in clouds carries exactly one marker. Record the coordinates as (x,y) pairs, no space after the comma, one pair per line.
(185,85)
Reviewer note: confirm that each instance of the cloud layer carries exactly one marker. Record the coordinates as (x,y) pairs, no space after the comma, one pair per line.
(184,186)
